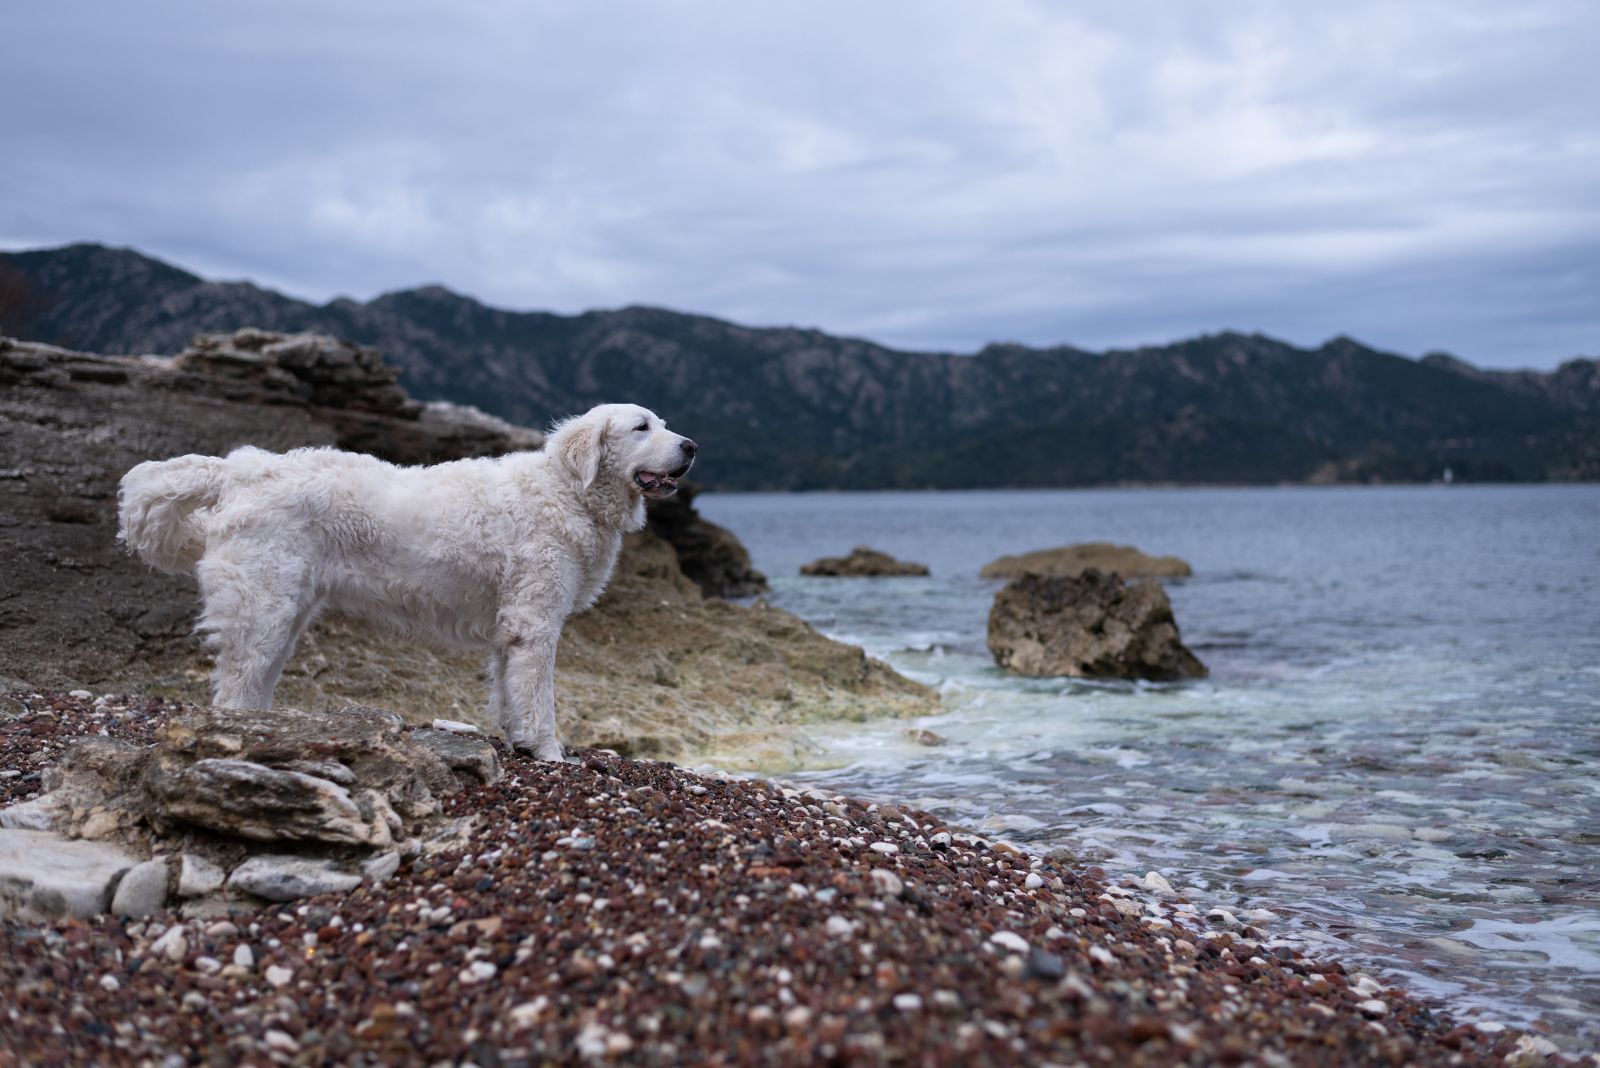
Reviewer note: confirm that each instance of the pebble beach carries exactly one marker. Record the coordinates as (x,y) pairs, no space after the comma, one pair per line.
(628,911)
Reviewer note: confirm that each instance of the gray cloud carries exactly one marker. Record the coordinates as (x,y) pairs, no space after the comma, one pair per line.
(938,175)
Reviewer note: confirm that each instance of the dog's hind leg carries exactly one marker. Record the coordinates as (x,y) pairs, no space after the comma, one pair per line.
(257,603)
(302,620)
(499,699)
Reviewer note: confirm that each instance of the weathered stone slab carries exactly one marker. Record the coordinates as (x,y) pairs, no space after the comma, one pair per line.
(45,877)
(250,800)
(286,878)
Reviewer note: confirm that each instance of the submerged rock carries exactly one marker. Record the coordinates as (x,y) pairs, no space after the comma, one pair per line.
(1091,626)
(1071,560)
(863,561)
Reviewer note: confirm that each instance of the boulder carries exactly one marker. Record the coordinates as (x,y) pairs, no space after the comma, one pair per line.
(1070,560)
(1093,625)
(863,561)
(708,555)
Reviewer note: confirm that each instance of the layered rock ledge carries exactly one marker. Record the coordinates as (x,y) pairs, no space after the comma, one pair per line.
(230,805)
(628,911)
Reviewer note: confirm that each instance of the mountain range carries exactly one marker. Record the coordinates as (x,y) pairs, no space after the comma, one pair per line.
(793,408)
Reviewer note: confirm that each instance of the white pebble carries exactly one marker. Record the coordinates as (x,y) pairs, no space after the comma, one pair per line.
(1374,1007)
(527,1013)
(82,695)
(887,882)
(908,1002)
(1007,940)
(454,726)
(108,983)
(279,976)
(1156,883)
(174,945)
(244,957)
(1033,881)
(839,927)
(282,1041)
(884,847)
(477,972)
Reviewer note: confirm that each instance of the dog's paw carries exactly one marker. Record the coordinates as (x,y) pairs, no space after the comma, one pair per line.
(540,752)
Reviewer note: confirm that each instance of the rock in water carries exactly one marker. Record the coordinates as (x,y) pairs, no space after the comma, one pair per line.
(863,561)
(1091,626)
(1070,560)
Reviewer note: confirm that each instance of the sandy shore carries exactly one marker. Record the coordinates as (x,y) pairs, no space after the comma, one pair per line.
(613,909)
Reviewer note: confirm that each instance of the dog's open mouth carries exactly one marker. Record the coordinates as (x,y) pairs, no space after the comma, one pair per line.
(653,484)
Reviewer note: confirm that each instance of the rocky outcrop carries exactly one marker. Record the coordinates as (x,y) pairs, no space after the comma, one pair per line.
(1071,560)
(655,668)
(1092,625)
(863,561)
(708,555)
(293,803)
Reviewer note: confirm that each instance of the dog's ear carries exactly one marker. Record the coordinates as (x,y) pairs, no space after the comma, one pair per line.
(579,443)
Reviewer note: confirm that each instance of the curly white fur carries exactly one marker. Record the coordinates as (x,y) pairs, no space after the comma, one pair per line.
(490,554)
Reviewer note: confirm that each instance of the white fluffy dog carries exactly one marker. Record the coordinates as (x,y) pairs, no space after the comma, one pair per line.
(488,554)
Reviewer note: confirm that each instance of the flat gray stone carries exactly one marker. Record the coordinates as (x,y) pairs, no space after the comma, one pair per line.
(198,877)
(285,878)
(45,877)
(466,755)
(142,891)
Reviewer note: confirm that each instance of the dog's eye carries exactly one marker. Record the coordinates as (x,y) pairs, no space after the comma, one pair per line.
(641,428)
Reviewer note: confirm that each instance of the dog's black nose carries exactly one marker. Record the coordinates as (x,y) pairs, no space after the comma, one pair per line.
(688,446)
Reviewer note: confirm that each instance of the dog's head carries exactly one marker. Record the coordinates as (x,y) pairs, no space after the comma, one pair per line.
(623,442)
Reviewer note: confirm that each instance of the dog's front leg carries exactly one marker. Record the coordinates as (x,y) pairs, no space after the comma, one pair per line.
(530,691)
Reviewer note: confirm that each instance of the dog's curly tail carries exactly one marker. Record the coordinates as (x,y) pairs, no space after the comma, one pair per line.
(156,502)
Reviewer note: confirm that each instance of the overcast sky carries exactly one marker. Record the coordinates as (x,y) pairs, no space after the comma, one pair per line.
(934,175)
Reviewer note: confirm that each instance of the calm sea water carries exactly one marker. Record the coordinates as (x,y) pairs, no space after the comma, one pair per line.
(1396,752)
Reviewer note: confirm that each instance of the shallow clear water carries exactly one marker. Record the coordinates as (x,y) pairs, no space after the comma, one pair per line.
(1396,752)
